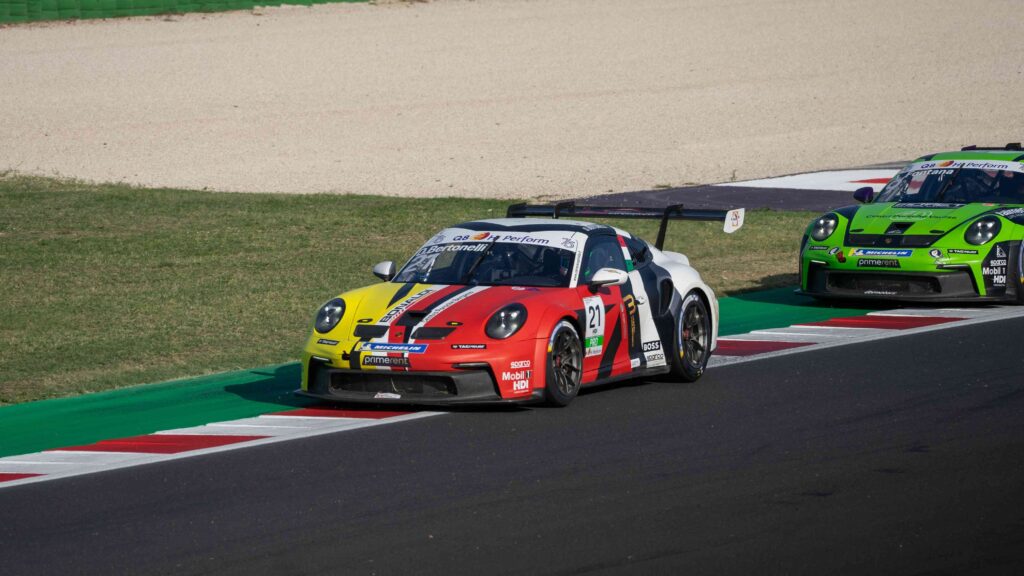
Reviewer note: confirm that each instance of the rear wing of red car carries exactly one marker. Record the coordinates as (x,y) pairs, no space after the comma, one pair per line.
(733,219)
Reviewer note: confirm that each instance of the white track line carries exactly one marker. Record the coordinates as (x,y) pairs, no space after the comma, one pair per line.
(835,180)
(80,463)
(1003,314)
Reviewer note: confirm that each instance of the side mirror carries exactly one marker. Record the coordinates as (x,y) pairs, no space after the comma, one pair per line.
(608,277)
(864,195)
(384,270)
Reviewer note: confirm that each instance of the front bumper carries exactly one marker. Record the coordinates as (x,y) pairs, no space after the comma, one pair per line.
(951,285)
(937,273)
(406,387)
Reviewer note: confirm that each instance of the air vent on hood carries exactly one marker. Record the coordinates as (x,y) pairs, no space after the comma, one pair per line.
(898,228)
(892,240)
(370,331)
(433,333)
(412,317)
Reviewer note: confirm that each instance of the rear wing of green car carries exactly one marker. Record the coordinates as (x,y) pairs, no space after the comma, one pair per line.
(733,219)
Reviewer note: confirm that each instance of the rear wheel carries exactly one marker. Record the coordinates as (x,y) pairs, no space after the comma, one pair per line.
(565,364)
(692,339)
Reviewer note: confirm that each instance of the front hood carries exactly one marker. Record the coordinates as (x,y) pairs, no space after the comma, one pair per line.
(912,219)
(451,312)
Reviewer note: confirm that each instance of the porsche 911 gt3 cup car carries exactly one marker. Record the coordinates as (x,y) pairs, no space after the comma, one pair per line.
(947,227)
(518,309)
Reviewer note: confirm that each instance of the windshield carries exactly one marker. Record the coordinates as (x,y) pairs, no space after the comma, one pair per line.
(489,264)
(955,185)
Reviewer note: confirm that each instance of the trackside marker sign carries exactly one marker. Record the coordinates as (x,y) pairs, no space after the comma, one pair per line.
(734,220)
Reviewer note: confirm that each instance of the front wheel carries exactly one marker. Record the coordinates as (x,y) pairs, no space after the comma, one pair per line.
(692,339)
(565,364)
(1020,275)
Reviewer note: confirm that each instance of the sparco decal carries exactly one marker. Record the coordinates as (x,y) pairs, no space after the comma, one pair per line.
(652,353)
(654,357)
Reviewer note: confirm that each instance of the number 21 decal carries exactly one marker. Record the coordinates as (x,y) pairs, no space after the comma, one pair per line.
(593,340)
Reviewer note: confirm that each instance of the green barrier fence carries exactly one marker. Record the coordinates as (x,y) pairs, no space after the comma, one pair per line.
(13,11)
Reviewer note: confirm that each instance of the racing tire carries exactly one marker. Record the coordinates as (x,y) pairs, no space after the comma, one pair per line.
(564,365)
(691,341)
(1020,275)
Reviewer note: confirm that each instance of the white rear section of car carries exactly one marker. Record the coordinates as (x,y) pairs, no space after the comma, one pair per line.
(686,278)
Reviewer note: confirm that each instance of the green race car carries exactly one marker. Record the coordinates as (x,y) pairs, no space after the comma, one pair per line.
(948,226)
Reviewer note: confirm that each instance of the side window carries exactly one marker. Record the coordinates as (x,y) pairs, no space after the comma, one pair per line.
(601,252)
(638,251)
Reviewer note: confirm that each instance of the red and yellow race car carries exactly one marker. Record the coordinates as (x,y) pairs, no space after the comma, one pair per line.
(518,309)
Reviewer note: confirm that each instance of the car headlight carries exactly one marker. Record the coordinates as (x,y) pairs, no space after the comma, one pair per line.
(983,230)
(823,227)
(329,315)
(506,321)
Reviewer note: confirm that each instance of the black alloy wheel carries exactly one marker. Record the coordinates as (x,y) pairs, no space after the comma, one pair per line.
(692,339)
(565,364)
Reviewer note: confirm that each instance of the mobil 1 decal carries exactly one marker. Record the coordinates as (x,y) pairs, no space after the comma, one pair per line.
(593,319)
(995,268)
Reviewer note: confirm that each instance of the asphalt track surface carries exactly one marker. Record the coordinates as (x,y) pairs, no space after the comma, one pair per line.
(727,197)
(898,456)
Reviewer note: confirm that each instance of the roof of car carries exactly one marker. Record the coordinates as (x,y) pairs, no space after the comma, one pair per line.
(1000,154)
(537,225)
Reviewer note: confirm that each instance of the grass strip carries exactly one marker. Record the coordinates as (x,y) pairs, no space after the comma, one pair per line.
(106,286)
